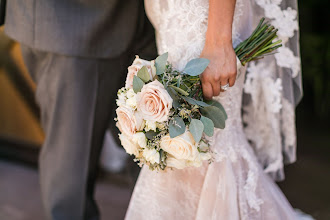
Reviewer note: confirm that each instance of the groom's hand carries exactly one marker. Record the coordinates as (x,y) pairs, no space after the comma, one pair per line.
(221,70)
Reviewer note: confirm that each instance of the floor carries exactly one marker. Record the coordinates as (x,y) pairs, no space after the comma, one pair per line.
(20,194)
(307,183)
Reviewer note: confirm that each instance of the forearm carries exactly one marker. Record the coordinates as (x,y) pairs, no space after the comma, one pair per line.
(219,29)
(218,48)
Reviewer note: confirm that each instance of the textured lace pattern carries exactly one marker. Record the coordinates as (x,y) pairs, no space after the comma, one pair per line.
(234,186)
(270,111)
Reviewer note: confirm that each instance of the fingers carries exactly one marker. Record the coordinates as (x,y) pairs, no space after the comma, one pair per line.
(207,90)
(216,87)
(232,77)
(223,82)
(232,81)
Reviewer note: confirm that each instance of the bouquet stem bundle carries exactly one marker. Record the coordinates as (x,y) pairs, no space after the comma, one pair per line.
(259,44)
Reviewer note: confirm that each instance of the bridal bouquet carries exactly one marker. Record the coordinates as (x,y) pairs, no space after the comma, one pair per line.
(161,113)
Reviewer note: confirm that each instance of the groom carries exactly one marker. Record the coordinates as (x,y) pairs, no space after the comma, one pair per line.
(77,52)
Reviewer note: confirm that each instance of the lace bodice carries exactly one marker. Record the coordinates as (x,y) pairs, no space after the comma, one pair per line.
(234,186)
(180,30)
(269,97)
(181,26)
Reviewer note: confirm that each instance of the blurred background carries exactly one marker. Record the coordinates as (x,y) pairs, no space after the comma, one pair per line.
(307,184)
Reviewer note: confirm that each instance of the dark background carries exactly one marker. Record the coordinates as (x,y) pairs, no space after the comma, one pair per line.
(310,175)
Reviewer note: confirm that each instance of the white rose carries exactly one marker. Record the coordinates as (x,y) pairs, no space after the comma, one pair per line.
(136,66)
(175,163)
(205,156)
(181,147)
(129,146)
(150,125)
(121,100)
(151,155)
(154,102)
(131,99)
(140,139)
(197,162)
(194,163)
(130,93)
(128,121)
(131,102)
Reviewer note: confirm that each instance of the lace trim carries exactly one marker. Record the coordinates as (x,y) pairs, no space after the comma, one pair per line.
(286,22)
(262,87)
(269,113)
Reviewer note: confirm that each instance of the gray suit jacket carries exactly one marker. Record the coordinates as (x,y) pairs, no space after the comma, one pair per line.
(88,28)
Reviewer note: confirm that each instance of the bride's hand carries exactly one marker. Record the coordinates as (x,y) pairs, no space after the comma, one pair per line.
(221,70)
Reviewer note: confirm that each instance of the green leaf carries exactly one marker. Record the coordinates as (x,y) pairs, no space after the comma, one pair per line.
(137,84)
(178,83)
(144,74)
(174,95)
(216,115)
(218,105)
(196,128)
(195,102)
(176,127)
(160,63)
(208,126)
(151,134)
(179,90)
(162,155)
(196,66)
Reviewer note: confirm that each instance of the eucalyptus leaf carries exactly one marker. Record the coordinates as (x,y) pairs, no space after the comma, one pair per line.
(144,74)
(174,95)
(196,128)
(151,134)
(208,126)
(196,66)
(137,84)
(160,63)
(195,102)
(218,105)
(178,83)
(179,90)
(176,127)
(216,115)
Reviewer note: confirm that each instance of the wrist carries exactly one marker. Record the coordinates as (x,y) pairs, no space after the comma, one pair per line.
(218,39)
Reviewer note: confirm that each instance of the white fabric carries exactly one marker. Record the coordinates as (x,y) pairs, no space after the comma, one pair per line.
(234,186)
(273,88)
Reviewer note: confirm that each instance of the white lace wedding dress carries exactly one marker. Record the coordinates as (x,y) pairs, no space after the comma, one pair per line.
(234,186)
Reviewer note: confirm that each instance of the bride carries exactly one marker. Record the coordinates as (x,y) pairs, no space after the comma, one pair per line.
(239,184)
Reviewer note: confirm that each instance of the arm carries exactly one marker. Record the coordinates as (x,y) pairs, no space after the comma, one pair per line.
(218,48)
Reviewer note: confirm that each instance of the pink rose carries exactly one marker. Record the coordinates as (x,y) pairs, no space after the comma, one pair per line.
(135,67)
(182,147)
(128,121)
(154,102)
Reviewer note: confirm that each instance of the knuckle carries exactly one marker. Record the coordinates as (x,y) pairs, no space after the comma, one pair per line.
(217,77)
(224,76)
